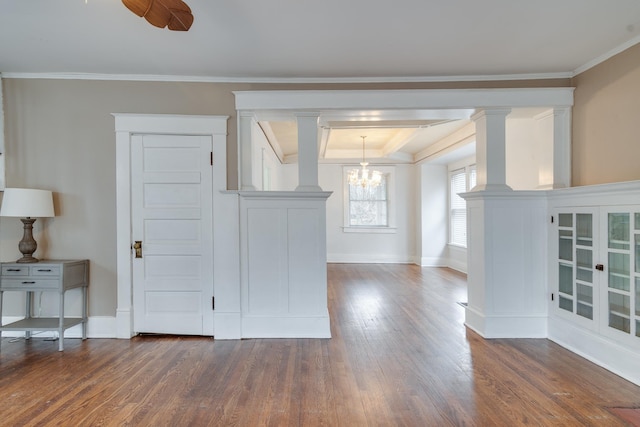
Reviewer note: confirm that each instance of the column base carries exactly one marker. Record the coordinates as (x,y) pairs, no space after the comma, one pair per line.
(309,188)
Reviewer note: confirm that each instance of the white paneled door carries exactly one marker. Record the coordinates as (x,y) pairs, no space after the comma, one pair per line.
(171,203)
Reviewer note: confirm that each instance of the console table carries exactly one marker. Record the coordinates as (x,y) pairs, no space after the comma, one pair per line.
(45,276)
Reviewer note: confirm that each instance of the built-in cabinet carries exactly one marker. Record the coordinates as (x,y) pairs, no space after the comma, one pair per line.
(598,269)
(594,274)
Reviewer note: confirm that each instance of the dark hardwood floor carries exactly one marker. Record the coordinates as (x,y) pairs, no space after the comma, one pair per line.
(400,356)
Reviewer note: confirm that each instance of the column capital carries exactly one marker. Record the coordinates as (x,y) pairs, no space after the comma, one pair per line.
(306,114)
(246,114)
(490,112)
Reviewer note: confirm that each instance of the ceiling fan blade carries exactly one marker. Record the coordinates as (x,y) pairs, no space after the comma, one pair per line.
(173,14)
(139,7)
(180,20)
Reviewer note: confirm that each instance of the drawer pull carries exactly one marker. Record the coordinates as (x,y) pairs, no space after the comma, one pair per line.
(14,269)
(28,283)
(44,269)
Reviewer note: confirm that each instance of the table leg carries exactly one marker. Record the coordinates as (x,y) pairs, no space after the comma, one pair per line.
(85,312)
(28,312)
(1,292)
(61,323)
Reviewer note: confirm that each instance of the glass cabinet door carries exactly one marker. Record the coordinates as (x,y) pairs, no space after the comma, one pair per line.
(623,275)
(575,264)
(584,265)
(636,272)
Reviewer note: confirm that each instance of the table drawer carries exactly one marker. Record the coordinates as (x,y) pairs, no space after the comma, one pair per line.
(45,270)
(12,270)
(29,283)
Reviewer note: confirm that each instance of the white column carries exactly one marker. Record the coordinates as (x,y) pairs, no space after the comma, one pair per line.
(561,147)
(307,151)
(490,149)
(2,155)
(245,152)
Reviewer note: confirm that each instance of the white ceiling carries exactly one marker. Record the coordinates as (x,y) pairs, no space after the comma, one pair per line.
(266,40)
(328,41)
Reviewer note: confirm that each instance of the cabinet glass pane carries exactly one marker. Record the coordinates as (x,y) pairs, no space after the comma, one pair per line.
(585,294)
(585,311)
(584,261)
(584,229)
(637,296)
(619,231)
(619,271)
(584,306)
(565,220)
(565,245)
(637,251)
(619,312)
(565,279)
(566,304)
(637,221)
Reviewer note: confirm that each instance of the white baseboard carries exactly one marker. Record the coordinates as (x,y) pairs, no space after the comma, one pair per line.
(596,348)
(97,327)
(286,327)
(371,259)
(227,326)
(433,262)
(506,326)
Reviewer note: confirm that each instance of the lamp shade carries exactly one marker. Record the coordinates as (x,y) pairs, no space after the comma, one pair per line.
(27,203)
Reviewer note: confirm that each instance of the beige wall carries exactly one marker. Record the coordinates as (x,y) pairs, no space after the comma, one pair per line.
(606,121)
(60,136)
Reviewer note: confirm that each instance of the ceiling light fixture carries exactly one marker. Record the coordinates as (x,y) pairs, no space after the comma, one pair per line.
(173,14)
(364,177)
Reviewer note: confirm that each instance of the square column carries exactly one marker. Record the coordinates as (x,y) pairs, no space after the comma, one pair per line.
(490,149)
(307,151)
(553,144)
(245,152)
(561,147)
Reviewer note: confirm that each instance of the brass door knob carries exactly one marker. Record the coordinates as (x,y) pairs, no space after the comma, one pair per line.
(138,247)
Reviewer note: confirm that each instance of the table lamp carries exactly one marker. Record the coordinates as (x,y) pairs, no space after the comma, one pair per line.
(27,204)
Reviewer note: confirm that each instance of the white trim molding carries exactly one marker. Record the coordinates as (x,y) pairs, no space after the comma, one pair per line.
(320,100)
(226,283)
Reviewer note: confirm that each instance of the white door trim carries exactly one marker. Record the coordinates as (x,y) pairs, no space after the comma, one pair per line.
(126,125)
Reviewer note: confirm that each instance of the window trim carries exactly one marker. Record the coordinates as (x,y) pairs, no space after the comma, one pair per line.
(389,173)
(467,168)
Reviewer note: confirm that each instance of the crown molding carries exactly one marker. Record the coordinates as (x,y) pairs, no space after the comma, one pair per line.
(283,80)
(602,58)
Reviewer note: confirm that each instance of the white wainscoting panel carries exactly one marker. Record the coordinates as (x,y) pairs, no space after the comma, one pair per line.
(283,264)
(507,268)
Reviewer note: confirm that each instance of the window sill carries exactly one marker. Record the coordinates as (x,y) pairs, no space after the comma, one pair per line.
(371,230)
(456,245)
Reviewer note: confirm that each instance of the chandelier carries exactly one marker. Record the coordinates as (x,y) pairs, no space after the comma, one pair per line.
(364,177)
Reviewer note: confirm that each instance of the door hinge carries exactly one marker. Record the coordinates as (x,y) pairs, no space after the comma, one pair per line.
(212,158)
(551,219)
(213,303)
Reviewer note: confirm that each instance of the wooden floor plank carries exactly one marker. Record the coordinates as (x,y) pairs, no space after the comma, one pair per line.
(400,356)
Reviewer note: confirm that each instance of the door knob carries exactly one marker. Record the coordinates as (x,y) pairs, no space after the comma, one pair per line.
(599,267)
(138,247)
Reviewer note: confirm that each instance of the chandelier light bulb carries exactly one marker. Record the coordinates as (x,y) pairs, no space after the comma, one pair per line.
(363,177)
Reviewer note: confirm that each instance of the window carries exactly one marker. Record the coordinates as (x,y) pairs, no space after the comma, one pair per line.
(461,180)
(369,210)
(368,206)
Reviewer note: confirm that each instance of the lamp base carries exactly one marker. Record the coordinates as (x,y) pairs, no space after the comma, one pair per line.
(27,259)
(27,245)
